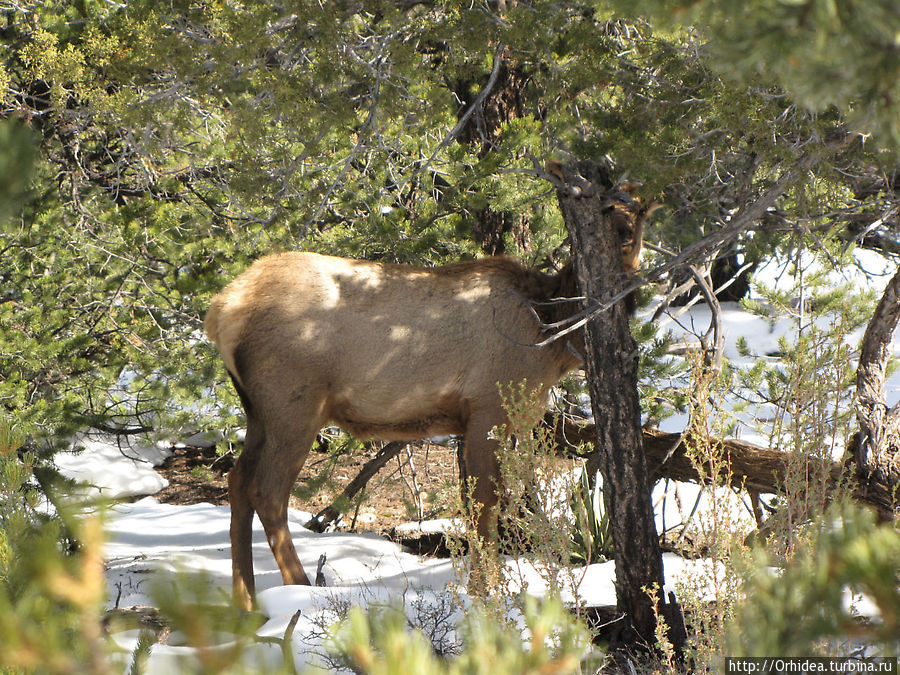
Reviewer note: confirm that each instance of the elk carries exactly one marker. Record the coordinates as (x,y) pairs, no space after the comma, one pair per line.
(385,351)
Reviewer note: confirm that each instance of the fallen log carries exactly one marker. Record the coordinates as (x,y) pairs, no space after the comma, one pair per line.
(757,469)
(754,468)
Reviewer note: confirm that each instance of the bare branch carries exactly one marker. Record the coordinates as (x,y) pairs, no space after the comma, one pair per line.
(751,467)
(739,223)
(331,513)
(712,354)
(460,125)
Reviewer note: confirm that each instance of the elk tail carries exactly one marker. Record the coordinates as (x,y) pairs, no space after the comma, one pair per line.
(211,321)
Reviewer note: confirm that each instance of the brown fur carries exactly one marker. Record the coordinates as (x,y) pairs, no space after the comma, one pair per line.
(385,351)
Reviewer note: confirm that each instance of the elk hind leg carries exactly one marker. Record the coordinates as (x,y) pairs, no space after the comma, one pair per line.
(275,476)
(239,496)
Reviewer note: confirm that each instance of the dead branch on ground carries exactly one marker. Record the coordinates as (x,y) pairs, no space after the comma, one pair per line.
(753,468)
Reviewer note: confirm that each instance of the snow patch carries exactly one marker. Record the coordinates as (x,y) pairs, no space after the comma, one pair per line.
(113,469)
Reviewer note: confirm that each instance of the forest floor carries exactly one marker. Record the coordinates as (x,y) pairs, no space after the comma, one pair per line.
(419,485)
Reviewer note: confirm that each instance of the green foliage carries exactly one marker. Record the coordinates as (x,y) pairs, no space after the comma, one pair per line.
(802,398)
(658,370)
(141,652)
(807,393)
(801,610)
(17,157)
(177,143)
(205,619)
(30,506)
(708,594)
(380,642)
(841,53)
(591,538)
(19,500)
(50,598)
(149,151)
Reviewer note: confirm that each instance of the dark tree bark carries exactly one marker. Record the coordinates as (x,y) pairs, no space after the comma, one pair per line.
(724,269)
(875,446)
(586,200)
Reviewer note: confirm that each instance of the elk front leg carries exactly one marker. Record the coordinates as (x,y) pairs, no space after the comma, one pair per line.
(482,467)
(481,481)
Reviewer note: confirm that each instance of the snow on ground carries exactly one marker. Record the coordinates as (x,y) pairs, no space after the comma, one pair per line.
(195,537)
(151,543)
(113,469)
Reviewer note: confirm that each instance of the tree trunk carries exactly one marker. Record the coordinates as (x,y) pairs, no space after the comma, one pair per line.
(505,103)
(875,446)
(612,360)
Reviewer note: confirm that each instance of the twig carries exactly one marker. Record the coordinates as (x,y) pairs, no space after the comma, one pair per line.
(320,574)
(286,651)
(363,134)
(416,491)
(691,515)
(331,513)
(712,354)
(684,288)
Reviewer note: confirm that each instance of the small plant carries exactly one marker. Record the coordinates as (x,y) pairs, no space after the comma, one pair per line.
(534,517)
(548,524)
(436,617)
(664,647)
(802,610)
(50,596)
(477,559)
(801,402)
(204,619)
(708,593)
(380,642)
(805,397)
(203,474)
(591,538)
(11,438)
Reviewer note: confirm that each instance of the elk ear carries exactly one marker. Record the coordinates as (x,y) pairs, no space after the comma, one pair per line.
(630,188)
(640,218)
(554,168)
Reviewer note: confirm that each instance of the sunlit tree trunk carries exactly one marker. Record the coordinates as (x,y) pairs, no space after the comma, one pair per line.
(875,446)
